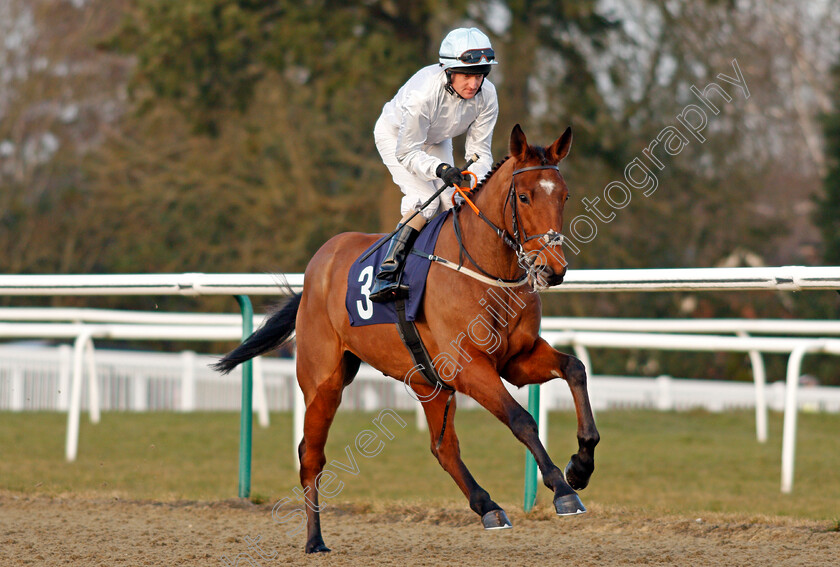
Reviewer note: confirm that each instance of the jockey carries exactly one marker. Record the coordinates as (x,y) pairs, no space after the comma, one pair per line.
(414,137)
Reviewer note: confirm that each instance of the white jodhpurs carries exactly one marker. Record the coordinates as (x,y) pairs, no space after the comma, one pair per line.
(416,190)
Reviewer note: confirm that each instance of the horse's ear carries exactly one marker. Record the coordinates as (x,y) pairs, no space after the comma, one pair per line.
(560,148)
(518,143)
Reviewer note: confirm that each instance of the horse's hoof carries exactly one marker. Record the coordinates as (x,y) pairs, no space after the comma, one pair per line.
(317,547)
(496,520)
(568,505)
(577,480)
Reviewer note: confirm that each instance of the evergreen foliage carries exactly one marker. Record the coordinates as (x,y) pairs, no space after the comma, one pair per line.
(827,214)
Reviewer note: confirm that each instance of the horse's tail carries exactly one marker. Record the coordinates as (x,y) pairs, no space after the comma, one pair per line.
(274,332)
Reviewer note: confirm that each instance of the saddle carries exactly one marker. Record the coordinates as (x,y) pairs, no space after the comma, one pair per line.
(401,312)
(361,310)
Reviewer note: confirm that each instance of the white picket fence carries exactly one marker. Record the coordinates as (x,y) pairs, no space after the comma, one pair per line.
(37,378)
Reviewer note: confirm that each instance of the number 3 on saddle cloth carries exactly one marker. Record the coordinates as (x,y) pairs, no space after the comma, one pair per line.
(361,309)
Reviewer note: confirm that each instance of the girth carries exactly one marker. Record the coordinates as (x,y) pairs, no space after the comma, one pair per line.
(420,356)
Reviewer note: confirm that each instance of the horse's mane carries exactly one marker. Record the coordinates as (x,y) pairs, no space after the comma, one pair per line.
(486,178)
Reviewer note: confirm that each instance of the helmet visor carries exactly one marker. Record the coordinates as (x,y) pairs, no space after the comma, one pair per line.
(475,56)
(471,70)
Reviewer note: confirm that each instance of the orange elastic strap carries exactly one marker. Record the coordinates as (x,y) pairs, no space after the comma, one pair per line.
(464,193)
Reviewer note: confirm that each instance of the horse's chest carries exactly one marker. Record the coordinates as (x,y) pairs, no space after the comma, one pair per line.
(494,331)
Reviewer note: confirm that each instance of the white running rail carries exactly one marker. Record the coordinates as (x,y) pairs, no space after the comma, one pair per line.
(785,278)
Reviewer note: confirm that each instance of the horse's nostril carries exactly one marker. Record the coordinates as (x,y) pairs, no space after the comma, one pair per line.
(555,278)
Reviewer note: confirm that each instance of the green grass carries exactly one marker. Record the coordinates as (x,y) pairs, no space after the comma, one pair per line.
(683,463)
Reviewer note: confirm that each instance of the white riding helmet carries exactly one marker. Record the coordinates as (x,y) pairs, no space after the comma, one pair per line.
(467,50)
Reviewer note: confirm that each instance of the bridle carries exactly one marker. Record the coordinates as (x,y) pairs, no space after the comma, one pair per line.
(516,242)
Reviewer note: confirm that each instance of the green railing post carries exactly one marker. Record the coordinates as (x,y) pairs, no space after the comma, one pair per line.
(530,463)
(246,411)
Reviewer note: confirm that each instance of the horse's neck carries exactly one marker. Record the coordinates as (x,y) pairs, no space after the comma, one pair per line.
(483,244)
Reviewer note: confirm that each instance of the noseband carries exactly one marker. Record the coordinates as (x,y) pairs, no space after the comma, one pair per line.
(516,243)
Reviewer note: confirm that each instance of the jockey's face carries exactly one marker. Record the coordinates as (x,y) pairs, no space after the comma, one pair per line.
(466,85)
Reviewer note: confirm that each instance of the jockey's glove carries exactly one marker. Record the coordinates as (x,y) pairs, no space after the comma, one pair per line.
(451,175)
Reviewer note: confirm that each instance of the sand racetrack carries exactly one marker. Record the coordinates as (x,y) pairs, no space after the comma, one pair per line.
(95,531)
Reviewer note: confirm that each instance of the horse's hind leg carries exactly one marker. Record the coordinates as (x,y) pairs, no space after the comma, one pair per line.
(449,457)
(322,394)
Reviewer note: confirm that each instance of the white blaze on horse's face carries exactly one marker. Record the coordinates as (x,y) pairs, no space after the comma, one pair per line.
(548,186)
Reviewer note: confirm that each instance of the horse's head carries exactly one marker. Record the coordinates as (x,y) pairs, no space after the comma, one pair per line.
(537,197)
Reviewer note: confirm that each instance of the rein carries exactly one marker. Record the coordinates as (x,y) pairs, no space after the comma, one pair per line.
(551,238)
(471,273)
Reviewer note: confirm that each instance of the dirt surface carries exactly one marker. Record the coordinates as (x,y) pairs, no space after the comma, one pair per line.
(95,531)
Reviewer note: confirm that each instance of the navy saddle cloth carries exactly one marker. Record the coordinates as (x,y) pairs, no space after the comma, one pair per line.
(361,309)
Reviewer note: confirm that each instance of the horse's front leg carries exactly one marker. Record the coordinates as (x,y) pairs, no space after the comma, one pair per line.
(543,363)
(481,382)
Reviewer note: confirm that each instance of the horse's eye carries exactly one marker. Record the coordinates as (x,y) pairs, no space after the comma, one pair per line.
(523,198)
(567,198)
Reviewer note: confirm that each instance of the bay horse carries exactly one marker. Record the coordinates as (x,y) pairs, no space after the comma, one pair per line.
(515,240)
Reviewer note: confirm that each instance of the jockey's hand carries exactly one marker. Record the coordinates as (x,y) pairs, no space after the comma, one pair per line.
(451,175)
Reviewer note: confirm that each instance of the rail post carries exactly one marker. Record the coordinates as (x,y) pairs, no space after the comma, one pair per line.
(246,411)
(530,463)
(760,379)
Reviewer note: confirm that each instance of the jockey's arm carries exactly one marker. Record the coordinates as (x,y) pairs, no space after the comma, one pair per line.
(480,135)
(414,128)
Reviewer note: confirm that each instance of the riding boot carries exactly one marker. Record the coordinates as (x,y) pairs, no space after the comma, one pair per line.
(387,285)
